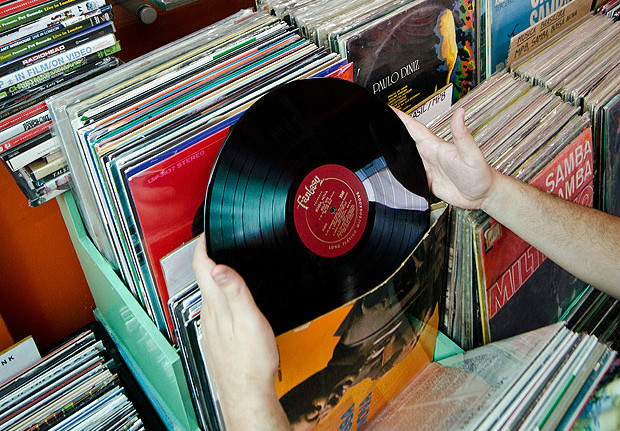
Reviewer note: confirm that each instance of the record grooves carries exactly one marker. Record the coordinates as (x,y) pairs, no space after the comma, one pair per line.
(301,204)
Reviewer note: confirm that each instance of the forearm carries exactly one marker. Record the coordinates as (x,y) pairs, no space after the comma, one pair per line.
(584,241)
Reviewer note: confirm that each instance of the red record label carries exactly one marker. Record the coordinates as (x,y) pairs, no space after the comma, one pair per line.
(330,210)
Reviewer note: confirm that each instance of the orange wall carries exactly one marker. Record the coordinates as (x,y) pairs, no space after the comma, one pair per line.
(43,291)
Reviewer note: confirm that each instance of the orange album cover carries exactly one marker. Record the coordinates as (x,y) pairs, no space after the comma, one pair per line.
(339,370)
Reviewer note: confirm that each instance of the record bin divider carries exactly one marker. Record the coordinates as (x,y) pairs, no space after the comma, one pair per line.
(150,357)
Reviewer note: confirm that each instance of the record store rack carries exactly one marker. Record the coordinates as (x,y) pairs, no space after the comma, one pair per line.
(153,361)
(150,357)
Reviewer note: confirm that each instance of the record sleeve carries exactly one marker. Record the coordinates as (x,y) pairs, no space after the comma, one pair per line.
(514,270)
(340,369)
(414,51)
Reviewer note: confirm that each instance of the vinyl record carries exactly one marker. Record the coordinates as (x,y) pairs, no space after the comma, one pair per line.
(307,201)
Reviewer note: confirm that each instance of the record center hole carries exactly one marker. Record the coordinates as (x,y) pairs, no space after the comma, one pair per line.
(332,210)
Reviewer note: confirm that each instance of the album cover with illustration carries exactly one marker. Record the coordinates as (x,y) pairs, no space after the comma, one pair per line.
(410,53)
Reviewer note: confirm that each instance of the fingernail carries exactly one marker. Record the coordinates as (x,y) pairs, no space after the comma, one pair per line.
(220,275)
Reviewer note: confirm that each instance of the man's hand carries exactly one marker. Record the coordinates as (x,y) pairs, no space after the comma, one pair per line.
(239,346)
(457,172)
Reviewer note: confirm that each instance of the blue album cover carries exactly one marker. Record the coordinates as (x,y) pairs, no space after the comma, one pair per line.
(507,18)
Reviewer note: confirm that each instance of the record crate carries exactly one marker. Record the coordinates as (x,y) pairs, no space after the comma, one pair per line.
(154,362)
(148,354)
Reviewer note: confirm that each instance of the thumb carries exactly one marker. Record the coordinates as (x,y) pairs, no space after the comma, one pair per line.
(463,140)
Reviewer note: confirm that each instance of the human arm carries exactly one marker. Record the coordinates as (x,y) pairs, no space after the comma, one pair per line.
(584,241)
(239,347)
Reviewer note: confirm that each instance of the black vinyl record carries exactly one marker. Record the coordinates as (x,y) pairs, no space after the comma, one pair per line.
(316,197)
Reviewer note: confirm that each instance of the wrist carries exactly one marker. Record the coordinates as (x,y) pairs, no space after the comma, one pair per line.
(494,200)
(257,411)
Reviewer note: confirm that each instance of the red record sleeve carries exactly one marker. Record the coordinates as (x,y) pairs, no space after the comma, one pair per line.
(167,197)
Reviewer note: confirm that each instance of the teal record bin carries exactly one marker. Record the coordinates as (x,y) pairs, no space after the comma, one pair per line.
(155,363)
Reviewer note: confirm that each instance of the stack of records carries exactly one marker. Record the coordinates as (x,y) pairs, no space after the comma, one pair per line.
(597,314)
(588,78)
(75,387)
(592,81)
(185,311)
(611,9)
(495,287)
(402,50)
(537,380)
(46,47)
(142,139)
(500,21)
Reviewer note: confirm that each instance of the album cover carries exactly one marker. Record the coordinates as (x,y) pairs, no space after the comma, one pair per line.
(507,18)
(611,148)
(413,52)
(168,200)
(340,369)
(514,272)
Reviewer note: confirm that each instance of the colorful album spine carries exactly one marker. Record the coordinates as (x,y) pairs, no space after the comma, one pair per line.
(57,61)
(56,48)
(19,18)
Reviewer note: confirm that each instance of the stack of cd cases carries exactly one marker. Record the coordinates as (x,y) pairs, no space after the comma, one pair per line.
(46,47)
(80,385)
(495,283)
(141,140)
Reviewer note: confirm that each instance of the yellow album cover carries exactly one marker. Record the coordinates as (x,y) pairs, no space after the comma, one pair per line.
(339,370)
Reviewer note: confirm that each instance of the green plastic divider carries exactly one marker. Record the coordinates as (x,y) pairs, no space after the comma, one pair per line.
(155,363)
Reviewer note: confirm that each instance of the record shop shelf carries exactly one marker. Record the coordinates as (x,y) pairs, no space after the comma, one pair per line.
(151,358)
(155,363)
